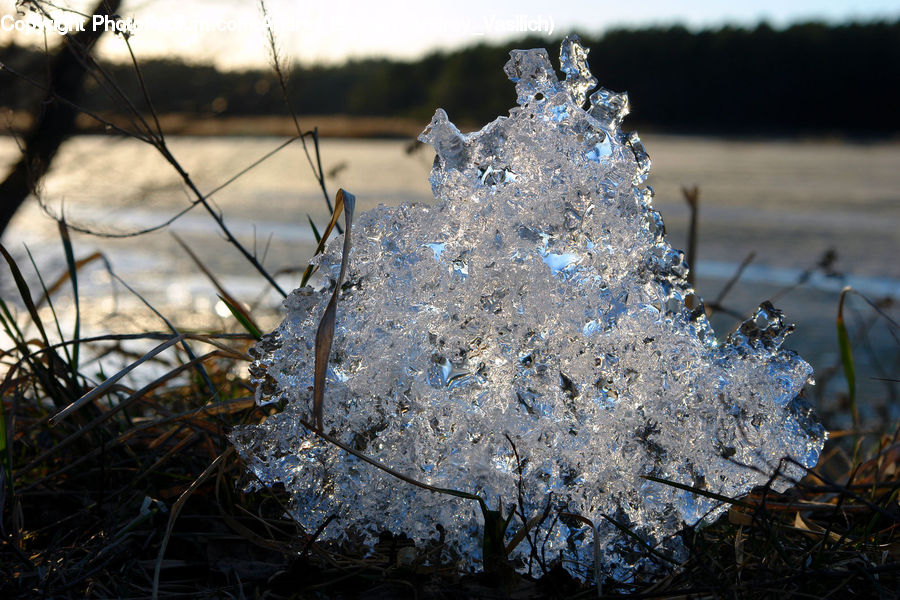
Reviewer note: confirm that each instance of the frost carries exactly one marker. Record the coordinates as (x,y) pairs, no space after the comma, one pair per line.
(527,339)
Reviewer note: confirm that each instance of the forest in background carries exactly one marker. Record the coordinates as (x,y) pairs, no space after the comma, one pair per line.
(809,78)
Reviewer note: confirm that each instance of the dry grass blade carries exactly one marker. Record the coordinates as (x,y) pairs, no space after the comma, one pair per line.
(389,470)
(847,357)
(62,279)
(323,238)
(692,197)
(115,409)
(641,541)
(695,490)
(213,393)
(7,486)
(190,207)
(106,385)
(519,535)
(225,348)
(52,308)
(176,508)
(733,279)
(233,305)
(598,555)
(325,333)
(281,77)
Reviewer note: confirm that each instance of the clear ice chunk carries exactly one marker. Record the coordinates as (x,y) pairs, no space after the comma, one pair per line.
(537,311)
(573,62)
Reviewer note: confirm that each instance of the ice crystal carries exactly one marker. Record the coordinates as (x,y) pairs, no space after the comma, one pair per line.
(527,339)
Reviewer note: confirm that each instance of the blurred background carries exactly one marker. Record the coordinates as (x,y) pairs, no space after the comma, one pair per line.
(783,114)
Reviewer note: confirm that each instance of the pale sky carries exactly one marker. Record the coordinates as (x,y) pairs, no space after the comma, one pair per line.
(334,30)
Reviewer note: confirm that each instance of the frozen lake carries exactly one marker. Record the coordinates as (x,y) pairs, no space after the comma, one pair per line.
(787,201)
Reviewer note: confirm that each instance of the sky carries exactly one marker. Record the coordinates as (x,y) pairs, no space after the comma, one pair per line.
(232,33)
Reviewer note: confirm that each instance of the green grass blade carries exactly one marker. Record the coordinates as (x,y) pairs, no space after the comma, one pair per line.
(315,231)
(42,374)
(11,327)
(73,277)
(849,370)
(246,323)
(25,293)
(50,305)
(230,301)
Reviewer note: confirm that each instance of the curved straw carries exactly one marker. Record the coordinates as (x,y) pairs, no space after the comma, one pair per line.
(325,333)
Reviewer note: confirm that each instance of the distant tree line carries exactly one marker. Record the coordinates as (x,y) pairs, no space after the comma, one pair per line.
(807,78)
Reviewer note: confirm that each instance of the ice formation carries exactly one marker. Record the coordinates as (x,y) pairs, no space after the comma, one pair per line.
(537,310)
